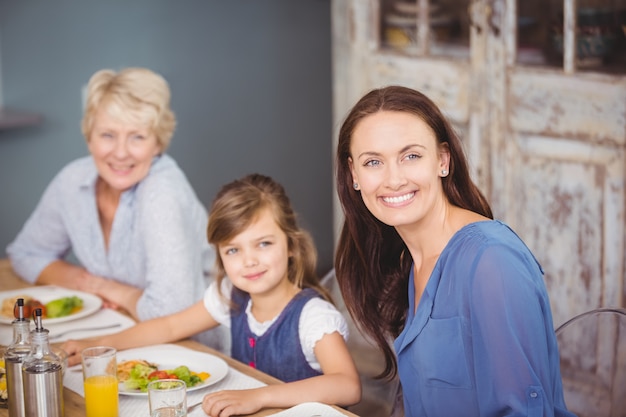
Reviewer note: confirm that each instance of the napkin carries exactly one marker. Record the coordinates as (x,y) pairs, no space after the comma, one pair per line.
(310,409)
(131,406)
(102,317)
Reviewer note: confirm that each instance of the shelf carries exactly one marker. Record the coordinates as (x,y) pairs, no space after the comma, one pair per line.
(11,119)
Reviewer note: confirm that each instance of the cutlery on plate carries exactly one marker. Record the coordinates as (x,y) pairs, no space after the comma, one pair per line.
(83,329)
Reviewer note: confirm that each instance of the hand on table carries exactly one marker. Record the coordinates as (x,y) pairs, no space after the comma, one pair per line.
(115,295)
(229,403)
(73,349)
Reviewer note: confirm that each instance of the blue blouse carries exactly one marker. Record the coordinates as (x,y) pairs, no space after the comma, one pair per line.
(481,342)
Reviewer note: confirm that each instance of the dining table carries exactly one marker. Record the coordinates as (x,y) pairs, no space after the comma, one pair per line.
(74,403)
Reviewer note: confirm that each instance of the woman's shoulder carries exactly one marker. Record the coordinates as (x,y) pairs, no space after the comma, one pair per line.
(491,238)
(165,169)
(487,232)
(78,171)
(166,180)
(476,238)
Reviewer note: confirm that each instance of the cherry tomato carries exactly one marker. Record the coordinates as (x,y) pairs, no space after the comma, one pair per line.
(158,375)
(172,376)
(35,304)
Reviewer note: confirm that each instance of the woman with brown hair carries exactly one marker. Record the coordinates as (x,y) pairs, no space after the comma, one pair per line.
(421,263)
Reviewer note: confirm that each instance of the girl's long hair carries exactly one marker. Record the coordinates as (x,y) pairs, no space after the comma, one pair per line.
(238,204)
(372,262)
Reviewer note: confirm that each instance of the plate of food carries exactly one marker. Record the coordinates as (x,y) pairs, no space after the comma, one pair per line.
(137,367)
(58,304)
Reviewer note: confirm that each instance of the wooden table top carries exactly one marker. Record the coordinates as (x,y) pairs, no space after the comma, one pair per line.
(75,404)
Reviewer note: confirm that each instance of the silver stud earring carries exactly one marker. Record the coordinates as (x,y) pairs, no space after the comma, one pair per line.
(444,172)
(355,185)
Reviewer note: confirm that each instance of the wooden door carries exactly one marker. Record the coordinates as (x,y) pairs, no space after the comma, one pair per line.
(557,170)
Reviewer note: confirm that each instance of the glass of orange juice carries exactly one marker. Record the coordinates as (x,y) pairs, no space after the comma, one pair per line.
(100,381)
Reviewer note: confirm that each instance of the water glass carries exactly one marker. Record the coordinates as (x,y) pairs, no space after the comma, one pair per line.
(100,381)
(167,398)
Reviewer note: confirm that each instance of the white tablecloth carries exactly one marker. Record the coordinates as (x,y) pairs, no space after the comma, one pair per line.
(132,406)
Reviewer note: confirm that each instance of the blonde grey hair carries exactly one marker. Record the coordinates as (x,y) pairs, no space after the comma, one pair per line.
(132,95)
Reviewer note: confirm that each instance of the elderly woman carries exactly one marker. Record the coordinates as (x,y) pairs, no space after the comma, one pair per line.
(127,211)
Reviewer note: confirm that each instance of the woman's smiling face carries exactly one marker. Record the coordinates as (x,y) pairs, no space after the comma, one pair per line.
(397,163)
(122,152)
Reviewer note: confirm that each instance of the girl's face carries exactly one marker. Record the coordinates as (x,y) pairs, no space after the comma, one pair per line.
(122,152)
(256,260)
(397,164)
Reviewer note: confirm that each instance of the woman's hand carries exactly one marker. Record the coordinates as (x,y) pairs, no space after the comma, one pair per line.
(236,402)
(115,295)
(90,283)
(73,349)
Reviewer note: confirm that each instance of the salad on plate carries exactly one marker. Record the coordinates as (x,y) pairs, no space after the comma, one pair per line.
(136,374)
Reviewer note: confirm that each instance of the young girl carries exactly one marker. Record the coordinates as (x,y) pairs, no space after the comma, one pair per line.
(280,318)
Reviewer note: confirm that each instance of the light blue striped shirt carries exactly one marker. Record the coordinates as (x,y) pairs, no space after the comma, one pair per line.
(158,239)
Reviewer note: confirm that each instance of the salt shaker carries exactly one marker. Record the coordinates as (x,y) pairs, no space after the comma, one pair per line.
(14,356)
(42,375)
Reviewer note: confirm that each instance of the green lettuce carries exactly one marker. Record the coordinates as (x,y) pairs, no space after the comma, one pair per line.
(138,378)
(63,306)
(182,372)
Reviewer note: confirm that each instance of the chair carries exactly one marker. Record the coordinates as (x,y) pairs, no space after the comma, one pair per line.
(592,346)
(377,395)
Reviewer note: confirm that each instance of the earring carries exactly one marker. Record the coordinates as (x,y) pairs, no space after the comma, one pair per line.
(444,172)
(355,185)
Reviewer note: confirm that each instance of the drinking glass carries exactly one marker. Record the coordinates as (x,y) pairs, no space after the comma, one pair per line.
(100,381)
(167,398)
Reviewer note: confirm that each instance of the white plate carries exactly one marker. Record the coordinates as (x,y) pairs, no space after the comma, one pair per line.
(47,293)
(170,357)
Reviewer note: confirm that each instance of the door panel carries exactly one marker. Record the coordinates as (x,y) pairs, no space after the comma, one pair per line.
(563,138)
(568,198)
(445,82)
(555,104)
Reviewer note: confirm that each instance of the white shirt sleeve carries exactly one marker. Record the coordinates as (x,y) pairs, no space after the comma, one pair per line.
(217,306)
(319,318)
